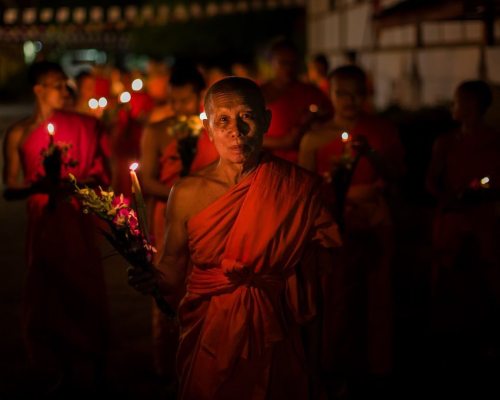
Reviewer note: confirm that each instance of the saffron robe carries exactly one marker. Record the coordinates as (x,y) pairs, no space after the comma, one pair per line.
(252,282)
(289,108)
(64,304)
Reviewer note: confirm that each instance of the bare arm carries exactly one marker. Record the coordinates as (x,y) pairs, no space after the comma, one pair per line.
(307,152)
(149,164)
(169,275)
(173,262)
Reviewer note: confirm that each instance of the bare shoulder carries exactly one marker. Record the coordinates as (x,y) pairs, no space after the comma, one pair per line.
(193,193)
(18,131)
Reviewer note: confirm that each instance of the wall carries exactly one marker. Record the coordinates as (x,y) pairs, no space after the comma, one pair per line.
(412,77)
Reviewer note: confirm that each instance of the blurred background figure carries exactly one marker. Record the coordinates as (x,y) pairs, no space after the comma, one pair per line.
(295,105)
(317,72)
(85,92)
(464,177)
(367,148)
(158,75)
(64,306)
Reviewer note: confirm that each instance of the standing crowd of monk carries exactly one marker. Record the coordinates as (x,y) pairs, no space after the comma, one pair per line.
(273,225)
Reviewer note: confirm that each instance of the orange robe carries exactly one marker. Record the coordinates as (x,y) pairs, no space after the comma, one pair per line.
(250,287)
(64,307)
(369,249)
(288,110)
(165,331)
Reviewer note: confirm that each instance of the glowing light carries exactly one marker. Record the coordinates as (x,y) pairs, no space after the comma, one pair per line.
(203,116)
(345,136)
(313,108)
(51,129)
(125,97)
(134,166)
(103,102)
(484,181)
(93,104)
(137,84)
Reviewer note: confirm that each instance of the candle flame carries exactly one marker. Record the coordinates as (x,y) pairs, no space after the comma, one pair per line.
(51,129)
(103,102)
(345,136)
(137,84)
(93,104)
(125,97)
(134,166)
(203,116)
(484,181)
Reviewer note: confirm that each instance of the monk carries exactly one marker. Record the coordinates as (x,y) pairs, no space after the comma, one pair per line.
(317,72)
(374,153)
(244,239)
(161,167)
(464,176)
(64,305)
(295,105)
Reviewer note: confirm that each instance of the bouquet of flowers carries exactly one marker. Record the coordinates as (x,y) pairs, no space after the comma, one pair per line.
(186,129)
(124,232)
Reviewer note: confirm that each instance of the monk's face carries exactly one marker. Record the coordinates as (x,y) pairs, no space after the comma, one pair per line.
(348,97)
(184,100)
(52,91)
(285,64)
(236,125)
(465,107)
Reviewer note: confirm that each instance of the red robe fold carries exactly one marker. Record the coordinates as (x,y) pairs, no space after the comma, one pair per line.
(240,317)
(64,312)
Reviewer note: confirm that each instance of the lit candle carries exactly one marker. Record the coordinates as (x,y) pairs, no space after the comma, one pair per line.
(485,182)
(52,131)
(139,201)
(346,144)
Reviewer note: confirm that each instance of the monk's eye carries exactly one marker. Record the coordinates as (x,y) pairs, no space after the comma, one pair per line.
(224,119)
(247,116)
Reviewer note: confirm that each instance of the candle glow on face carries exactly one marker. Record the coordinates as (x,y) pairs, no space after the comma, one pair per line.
(51,129)
(345,136)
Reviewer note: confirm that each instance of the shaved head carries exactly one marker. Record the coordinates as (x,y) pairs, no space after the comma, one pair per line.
(242,87)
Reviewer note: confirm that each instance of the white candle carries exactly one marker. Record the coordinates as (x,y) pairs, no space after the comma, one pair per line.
(139,200)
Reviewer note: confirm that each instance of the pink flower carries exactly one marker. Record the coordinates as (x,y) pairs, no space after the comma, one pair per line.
(120,202)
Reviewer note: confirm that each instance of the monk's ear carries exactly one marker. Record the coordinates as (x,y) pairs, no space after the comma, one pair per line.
(206,126)
(37,89)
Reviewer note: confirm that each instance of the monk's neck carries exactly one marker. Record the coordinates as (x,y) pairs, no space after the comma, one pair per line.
(471,126)
(233,173)
(345,124)
(42,113)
